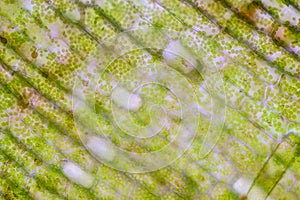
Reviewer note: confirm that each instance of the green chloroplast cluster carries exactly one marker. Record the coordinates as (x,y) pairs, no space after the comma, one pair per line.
(150,99)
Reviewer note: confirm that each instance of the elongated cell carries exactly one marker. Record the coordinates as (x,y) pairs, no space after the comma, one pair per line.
(263,21)
(81,80)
